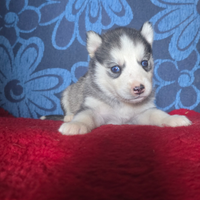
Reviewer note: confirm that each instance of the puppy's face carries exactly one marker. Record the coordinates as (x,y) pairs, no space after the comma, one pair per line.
(124,63)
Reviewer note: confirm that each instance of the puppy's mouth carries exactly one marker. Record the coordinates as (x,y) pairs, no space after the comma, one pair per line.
(136,99)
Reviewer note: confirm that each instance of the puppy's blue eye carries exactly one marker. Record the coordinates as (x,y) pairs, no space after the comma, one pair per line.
(144,63)
(116,69)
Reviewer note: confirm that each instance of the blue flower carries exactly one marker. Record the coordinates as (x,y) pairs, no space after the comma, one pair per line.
(181,20)
(73,18)
(178,86)
(27,92)
(17,17)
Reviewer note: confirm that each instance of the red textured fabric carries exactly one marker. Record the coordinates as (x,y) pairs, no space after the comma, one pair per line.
(111,162)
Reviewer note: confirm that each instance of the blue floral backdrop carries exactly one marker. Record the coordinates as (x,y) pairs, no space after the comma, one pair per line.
(42,49)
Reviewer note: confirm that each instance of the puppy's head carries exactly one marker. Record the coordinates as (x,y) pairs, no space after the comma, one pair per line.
(122,62)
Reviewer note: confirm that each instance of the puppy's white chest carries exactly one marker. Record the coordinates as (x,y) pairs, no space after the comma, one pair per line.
(124,113)
(118,114)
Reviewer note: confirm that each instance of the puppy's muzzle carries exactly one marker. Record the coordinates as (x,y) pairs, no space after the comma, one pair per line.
(139,89)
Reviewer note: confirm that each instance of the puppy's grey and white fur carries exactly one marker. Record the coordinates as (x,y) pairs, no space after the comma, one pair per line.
(117,88)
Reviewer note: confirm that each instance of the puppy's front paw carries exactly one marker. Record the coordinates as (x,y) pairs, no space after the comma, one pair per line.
(68,118)
(73,128)
(176,120)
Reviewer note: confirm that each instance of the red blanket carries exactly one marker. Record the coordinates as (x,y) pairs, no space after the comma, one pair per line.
(111,162)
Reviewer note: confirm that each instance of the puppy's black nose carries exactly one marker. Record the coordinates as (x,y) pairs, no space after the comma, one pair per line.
(139,89)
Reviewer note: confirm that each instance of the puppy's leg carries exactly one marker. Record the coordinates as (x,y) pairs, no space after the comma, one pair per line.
(68,118)
(160,118)
(82,123)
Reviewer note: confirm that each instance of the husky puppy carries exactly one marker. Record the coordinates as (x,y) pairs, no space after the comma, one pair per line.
(117,88)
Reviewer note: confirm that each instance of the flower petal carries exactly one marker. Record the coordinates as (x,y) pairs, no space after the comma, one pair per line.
(50,12)
(16,6)
(115,5)
(167,3)
(43,83)
(44,105)
(188,98)
(106,20)
(166,22)
(25,110)
(93,23)
(79,4)
(28,20)
(55,80)
(183,41)
(190,35)
(74,9)
(166,96)
(6,59)
(166,70)
(42,87)
(28,57)
(41,101)
(119,12)
(41,80)
(181,12)
(63,34)
(189,62)
(94,8)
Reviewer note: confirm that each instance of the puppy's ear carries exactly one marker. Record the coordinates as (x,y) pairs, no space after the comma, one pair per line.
(94,41)
(147,32)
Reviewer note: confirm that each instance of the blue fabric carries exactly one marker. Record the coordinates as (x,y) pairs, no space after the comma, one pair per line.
(42,49)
